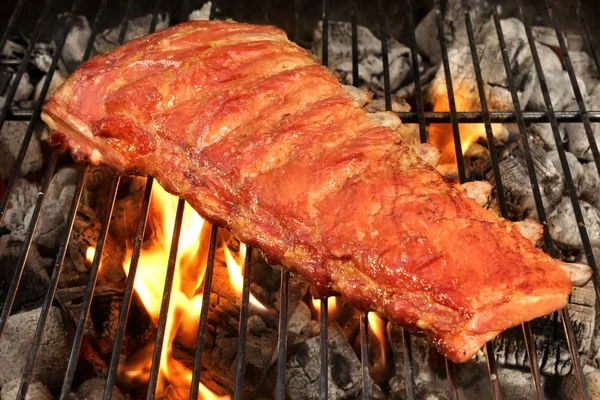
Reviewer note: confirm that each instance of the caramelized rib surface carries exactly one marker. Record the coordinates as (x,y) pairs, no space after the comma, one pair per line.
(263,141)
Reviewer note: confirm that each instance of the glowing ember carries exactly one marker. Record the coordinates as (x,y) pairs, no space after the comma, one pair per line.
(149,284)
(234,269)
(89,254)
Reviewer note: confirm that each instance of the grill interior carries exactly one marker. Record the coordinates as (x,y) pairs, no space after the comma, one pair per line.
(296,18)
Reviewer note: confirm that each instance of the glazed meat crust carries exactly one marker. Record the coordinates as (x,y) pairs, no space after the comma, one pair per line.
(261,140)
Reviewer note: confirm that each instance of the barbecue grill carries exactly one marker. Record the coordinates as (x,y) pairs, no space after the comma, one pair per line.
(419,116)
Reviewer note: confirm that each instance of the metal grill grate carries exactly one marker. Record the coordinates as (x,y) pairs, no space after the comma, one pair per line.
(586,117)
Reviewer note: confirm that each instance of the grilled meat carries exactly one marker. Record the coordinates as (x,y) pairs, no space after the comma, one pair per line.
(263,141)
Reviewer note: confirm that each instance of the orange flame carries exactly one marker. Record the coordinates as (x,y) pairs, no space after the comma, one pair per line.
(234,269)
(377,327)
(149,284)
(332,308)
(441,135)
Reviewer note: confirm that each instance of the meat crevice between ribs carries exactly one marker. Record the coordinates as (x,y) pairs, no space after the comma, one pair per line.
(261,140)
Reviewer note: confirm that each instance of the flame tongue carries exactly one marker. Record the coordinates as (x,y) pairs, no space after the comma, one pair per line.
(149,284)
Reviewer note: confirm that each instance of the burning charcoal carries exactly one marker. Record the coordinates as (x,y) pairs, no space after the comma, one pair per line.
(574,166)
(299,318)
(24,89)
(568,388)
(563,226)
(221,337)
(57,80)
(369,56)
(22,199)
(36,391)
(547,36)
(93,389)
(53,354)
(517,185)
(136,28)
(454,27)
(34,281)
(302,374)
(54,211)
(549,337)
(584,68)
(542,134)
(201,14)
(561,91)
(76,41)
(578,141)
(41,56)
(589,185)
(492,70)
(11,137)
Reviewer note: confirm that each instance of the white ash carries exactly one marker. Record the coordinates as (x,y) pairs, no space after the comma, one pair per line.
(41,55)
(542,134)
(579,144)
(53,353)
(55,209)
(299,318)
(547,36)
(202,14)
(370,63)
(563,225)
(585,68)
(569,388)
(574,166)
(22,199)
(136,28)
(36,391)
(11,138)
(76,41)
(558,83)
(93,389)
(589,186)
(13,51)
(24,89)
(57,79)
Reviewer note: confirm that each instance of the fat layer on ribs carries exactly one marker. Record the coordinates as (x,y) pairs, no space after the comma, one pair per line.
(261,140)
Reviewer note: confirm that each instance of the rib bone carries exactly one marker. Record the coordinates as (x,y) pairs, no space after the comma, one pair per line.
(580,274)
(480,191)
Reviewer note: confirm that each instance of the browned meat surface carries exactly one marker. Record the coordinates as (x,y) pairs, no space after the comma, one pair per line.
(261,140)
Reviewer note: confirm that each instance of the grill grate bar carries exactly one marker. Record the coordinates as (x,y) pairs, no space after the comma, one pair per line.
(282,335)
(35,113)
(385,56)
(128,294)
(416,73)
(11,22)
(563,158)
(323,377)
(364,355)
(17,78)
(576,90)
(588,34)
(12,291)
(413,117)
(450,371)
(49,298)
(323,314)
(208,274)
(450,91)
(489,348)
(89,290)
(166,299)
(364,322)
(408,373)
(243,328)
